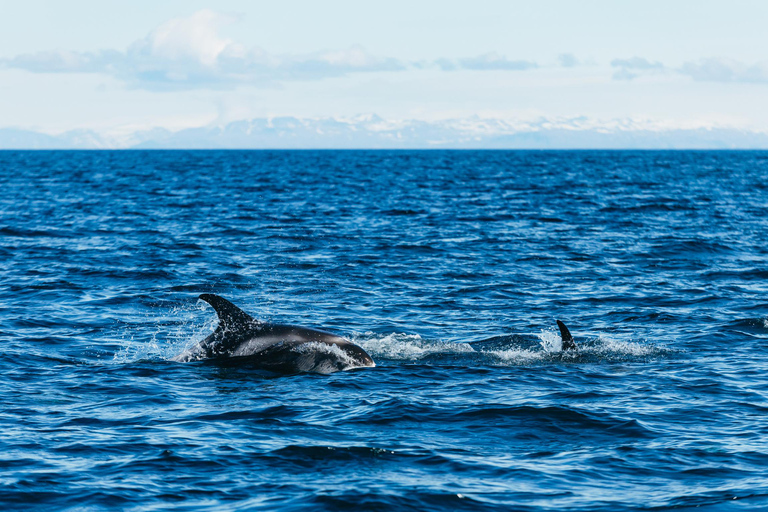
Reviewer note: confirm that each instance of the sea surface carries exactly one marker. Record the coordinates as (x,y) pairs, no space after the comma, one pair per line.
(449,267)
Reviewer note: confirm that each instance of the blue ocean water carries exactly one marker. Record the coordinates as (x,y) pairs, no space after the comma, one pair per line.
(449,268)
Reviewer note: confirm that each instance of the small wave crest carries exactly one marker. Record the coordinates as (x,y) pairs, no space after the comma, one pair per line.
(750,325)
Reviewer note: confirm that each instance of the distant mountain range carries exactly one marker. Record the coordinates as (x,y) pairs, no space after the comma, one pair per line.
(372,132)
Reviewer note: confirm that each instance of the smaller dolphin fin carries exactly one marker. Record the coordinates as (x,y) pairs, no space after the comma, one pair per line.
(231,317)
(565,334)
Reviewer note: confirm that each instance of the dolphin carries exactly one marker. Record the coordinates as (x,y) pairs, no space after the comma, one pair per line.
(568,344)
(281,348)
(565,335)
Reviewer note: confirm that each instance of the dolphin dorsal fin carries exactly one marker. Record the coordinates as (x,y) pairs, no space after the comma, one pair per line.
(231,317)
(565,334)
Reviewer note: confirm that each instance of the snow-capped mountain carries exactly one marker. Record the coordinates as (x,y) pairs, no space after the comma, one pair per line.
(373,132)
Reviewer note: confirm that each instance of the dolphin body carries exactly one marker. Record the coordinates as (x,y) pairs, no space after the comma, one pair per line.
(281,348)
(568,344)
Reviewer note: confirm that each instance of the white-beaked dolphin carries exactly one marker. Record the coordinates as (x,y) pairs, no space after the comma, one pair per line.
(281,348)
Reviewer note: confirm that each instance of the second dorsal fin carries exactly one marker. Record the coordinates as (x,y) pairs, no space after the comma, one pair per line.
(231,317)
(565,334)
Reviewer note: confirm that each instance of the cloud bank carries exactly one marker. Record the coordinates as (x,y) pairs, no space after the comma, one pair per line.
(725,70)
(629,69)
(189,52)
(711,69)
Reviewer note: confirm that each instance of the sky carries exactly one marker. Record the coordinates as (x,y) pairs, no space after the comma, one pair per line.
(122,66)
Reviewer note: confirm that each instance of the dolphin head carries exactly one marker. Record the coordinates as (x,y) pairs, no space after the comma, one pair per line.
(359,356)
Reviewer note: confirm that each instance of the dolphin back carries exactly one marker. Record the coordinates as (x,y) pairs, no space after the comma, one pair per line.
(234,326)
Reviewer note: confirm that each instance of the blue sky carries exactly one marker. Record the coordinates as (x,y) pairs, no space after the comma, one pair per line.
(114,66)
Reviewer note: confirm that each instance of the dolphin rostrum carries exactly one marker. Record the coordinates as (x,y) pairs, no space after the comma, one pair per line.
(276,347)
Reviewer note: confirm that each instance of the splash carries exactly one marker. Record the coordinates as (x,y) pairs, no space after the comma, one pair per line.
(163,336)
(550,341)
(609,347)
(516,356)
(407,347)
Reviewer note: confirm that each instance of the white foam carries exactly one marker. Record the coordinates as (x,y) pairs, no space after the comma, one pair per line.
(606,345)
(406,347)
(550,341)
(515,356)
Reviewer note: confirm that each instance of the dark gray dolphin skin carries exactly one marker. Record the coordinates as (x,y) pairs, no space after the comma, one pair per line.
(565,335)
(281,348)
(502,342)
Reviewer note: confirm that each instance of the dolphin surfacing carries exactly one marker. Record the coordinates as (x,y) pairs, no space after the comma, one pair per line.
(281,348)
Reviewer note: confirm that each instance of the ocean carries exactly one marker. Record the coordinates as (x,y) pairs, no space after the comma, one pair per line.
(449,268)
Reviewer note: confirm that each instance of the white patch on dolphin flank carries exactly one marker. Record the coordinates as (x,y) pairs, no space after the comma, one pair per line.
(325,358)
(256,344)
(319,347)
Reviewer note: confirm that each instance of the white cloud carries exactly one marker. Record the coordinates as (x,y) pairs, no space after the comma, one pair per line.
(334,63)
(189,52)
(487,62)
(63,61)
(568,60)
(493,61)
(193,39)
(704,70)
(725,70)
(637,63)
(447,64)
(630,69)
